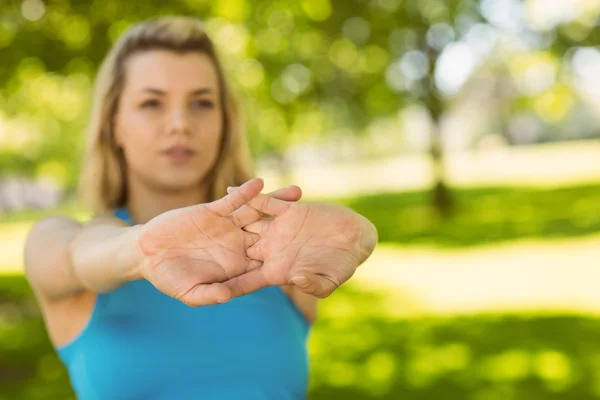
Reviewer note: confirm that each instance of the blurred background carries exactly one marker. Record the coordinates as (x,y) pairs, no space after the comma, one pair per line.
(467,131)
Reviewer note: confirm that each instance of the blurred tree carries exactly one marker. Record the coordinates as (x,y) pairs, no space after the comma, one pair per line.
(309,70)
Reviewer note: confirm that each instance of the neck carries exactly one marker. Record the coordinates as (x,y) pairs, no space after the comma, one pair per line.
(145,202)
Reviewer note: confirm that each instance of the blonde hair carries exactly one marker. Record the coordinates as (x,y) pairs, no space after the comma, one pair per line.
(103,181)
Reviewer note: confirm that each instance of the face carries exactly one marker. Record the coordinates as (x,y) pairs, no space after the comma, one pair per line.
(169,119)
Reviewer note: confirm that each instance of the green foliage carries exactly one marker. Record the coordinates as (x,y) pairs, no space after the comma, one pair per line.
(303,68)
(298,69)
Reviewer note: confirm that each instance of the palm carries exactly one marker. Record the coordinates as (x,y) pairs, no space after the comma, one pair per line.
(188,251)
(315,239)
(187,247)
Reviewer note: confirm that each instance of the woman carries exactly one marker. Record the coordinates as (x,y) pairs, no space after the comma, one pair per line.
(177,289)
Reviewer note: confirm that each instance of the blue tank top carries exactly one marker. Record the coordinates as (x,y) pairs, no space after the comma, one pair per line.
(143,344)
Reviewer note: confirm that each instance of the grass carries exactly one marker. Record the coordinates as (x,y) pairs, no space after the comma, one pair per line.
(358,351)
(486,356)
(357,354)
(483,215)
(557,274)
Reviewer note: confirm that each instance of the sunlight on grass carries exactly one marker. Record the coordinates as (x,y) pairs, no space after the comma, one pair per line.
(12,239)
(509,366)
(519,276)
(554,368)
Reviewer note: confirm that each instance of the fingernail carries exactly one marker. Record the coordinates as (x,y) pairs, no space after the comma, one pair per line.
(300,280)
(229,189)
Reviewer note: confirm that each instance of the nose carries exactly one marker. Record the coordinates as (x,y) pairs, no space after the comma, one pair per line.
(179,122)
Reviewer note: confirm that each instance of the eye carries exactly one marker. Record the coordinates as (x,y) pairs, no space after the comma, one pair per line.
(208,104)
(151,103)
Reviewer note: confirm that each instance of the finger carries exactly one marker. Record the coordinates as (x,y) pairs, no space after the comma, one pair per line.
(246,283)
(289,193)
(245,216)
(269,205)
(257,227)
(255,252)
(234,200)
(207,294)
(317,285)
(253,264)
(250,239)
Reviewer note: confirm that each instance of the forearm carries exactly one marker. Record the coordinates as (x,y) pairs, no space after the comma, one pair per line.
(105,256)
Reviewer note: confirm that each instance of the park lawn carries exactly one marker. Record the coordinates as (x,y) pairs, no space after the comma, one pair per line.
(520,276)
(358,353)
(502,249)
(13,232)
(411,324)
(12,240)
(483,216)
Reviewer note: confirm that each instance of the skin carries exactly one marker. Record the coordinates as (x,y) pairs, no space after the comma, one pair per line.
(169,99)
(314,246)
(172,98)
(200,253)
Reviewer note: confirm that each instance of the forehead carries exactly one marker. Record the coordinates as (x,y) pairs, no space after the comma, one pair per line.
(170,71)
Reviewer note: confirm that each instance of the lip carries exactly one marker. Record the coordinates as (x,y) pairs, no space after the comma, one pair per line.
(179,153)
(179,148)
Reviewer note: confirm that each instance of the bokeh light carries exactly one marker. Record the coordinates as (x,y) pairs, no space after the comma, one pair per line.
(33,10)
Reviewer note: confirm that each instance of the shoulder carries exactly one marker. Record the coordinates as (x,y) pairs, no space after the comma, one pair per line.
(54,226)
(47,247)
(62,227)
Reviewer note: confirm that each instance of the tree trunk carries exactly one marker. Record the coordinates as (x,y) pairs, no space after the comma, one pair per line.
(441,195)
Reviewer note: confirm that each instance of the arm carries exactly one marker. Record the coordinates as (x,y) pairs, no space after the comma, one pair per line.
(186,253)
(64,257)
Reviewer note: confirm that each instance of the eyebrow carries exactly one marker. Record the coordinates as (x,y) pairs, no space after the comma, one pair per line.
(162,92)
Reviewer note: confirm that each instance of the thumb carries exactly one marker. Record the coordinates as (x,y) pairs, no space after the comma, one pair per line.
(317,285)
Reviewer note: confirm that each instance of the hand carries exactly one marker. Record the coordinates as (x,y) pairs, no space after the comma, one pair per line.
(316,247)
(187,252)
(246,213)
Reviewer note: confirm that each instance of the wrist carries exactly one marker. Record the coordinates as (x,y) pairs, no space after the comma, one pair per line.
(132,254)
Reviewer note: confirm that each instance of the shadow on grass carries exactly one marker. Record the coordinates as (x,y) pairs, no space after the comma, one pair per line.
(483,215)
(29,368)
(357,353)
(487,356)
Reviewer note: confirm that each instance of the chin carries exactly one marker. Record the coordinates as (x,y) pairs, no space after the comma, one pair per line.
(180,182)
